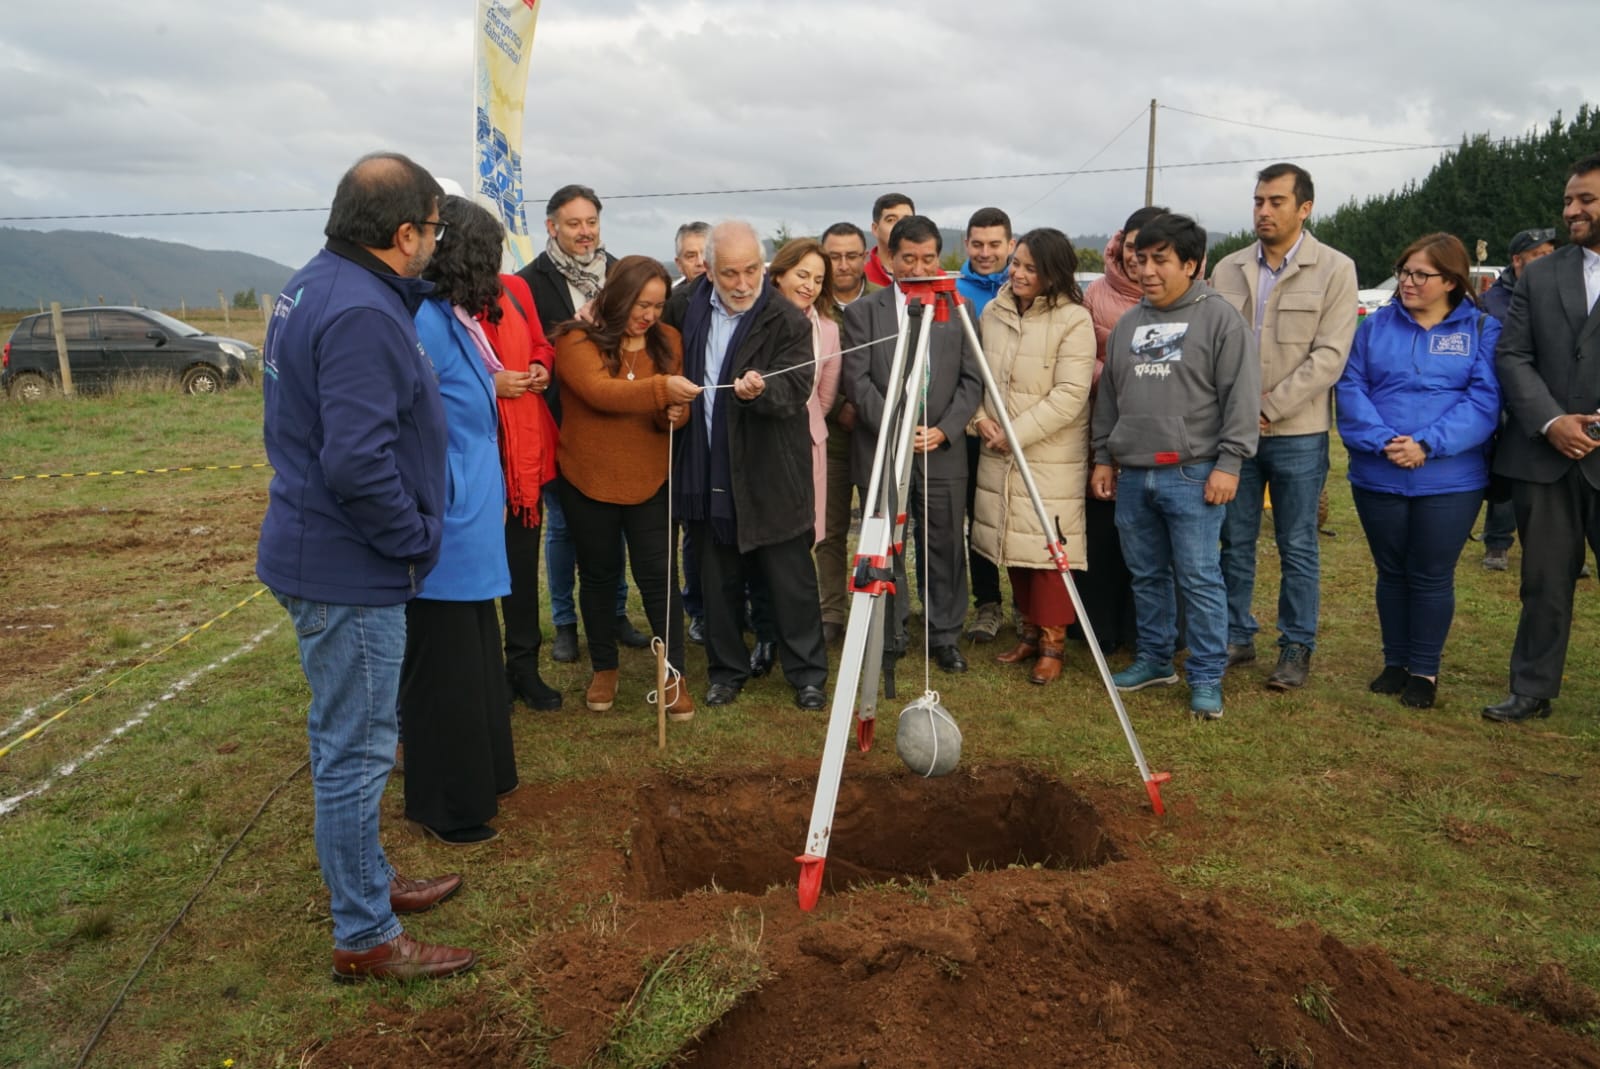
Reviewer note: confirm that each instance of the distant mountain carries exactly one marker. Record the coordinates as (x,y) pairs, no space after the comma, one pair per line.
(74,266)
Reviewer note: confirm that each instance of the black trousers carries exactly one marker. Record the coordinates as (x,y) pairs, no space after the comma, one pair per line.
(1554,520)
(941,563)
(595,527)
(790,577)
(521,607)
(1107,586)
(984,573)
(455,710)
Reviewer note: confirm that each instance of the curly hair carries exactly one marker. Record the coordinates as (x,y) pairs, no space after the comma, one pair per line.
(614,304)
(465,269)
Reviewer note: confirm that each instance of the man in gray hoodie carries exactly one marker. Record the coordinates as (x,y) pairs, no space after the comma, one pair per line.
(1177,413)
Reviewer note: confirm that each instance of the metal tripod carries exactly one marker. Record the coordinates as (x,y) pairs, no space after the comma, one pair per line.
(881,540)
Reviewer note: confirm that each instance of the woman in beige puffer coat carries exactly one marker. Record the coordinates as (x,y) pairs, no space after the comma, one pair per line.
(1039,341)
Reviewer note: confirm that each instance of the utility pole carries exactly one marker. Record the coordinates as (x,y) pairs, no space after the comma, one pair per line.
(1150,160)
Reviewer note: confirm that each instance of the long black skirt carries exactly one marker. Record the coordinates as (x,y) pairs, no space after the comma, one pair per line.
(455,714)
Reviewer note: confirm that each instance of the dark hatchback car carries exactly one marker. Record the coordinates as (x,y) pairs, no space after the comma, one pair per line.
(107,344)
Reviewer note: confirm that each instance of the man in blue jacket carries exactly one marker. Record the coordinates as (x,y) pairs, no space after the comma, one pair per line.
(990,244)
(355,433)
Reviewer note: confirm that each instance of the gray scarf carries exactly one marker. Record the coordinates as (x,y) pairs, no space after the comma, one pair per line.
(585,276)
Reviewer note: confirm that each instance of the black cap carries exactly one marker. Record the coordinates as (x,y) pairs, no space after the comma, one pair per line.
(1528,239)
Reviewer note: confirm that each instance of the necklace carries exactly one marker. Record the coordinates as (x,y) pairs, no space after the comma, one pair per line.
(632,358)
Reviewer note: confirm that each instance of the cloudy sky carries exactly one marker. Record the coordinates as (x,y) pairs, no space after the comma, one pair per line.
(167,106)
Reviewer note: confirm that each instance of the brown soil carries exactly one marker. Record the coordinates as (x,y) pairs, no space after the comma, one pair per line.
(991,918)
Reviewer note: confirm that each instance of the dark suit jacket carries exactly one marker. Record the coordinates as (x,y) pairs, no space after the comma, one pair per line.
(552,299)
(954,390)
(1548,360)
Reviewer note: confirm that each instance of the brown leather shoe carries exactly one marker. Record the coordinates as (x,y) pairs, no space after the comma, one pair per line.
(681,707)
(1052,642)
(417,896)
(602,692)
(401,958)
(1026,649)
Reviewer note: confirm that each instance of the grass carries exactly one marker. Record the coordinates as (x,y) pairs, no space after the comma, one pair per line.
(1470,852)
(682,995)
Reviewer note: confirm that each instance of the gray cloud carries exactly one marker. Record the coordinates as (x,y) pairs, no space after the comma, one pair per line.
(168,106)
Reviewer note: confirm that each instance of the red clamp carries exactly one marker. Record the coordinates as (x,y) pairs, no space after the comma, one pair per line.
(873,575)
(1058,555)
(939,292)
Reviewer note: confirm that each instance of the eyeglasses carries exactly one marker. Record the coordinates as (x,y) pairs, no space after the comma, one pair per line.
(847,257)
(1419,278)
(438,227)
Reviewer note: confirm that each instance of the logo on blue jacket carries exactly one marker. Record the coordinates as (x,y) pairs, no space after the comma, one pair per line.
(1457,344)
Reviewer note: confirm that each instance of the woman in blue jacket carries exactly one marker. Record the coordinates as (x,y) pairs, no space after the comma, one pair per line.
(1418,405)
(455,705)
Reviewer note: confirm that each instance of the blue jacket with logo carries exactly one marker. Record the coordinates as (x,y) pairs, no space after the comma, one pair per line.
(472,551)
(355,433)
(1437,385)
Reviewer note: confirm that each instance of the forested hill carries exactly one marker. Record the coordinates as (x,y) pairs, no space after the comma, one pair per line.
(78,266)
(1485,189)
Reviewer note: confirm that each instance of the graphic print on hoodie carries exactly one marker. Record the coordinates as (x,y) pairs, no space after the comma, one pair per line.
(1155,344)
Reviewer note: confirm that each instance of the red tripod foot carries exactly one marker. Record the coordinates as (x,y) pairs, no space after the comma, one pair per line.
(864,734)
(810,880)
(1152,787)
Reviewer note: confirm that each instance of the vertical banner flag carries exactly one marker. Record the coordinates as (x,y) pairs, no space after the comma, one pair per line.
(502,40)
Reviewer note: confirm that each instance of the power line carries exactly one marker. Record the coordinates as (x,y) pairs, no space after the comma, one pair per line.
(877,183)
(1114,139)
(1298,133)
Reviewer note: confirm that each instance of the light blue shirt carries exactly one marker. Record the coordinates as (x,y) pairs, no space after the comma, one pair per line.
(723,324)
(1267,278)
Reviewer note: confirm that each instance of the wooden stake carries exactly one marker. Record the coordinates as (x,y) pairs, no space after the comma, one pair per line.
(661,695)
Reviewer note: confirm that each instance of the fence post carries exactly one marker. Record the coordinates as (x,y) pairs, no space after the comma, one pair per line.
(266,310)
(183,308)
(223,302)
(61,347)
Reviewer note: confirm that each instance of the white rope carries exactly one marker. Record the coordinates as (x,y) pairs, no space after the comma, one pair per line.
(658,643)
(926,566)
(809,363)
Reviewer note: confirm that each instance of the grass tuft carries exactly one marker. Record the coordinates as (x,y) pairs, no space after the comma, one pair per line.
(682,995)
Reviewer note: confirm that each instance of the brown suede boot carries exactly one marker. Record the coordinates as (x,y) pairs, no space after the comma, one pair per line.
(1027,646)
(1051,643)
(602,692)
(681,707)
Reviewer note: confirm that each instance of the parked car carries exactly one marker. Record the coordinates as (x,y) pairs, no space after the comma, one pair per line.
(1370,300)
(105,344)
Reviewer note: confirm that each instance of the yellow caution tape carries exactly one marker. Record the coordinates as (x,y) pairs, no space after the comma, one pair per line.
(138,471)
(37,728)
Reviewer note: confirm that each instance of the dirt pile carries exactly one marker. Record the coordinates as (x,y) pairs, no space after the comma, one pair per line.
(993,921)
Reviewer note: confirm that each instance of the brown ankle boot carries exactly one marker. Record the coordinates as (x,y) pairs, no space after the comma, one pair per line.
(681,707)
(1048,666)
(1026,649)
(602,693)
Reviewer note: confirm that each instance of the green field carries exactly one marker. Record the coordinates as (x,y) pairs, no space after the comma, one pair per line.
(1470,852)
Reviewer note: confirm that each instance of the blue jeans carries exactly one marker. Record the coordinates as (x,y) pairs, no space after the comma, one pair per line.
(351,656)
(1416,542)
(1294,467)
(561,564)
(1167,528)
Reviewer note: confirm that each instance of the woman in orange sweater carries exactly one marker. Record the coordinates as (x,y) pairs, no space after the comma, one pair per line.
(621,389)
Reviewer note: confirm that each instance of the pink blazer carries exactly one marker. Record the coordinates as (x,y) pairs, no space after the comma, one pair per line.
(824,391)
